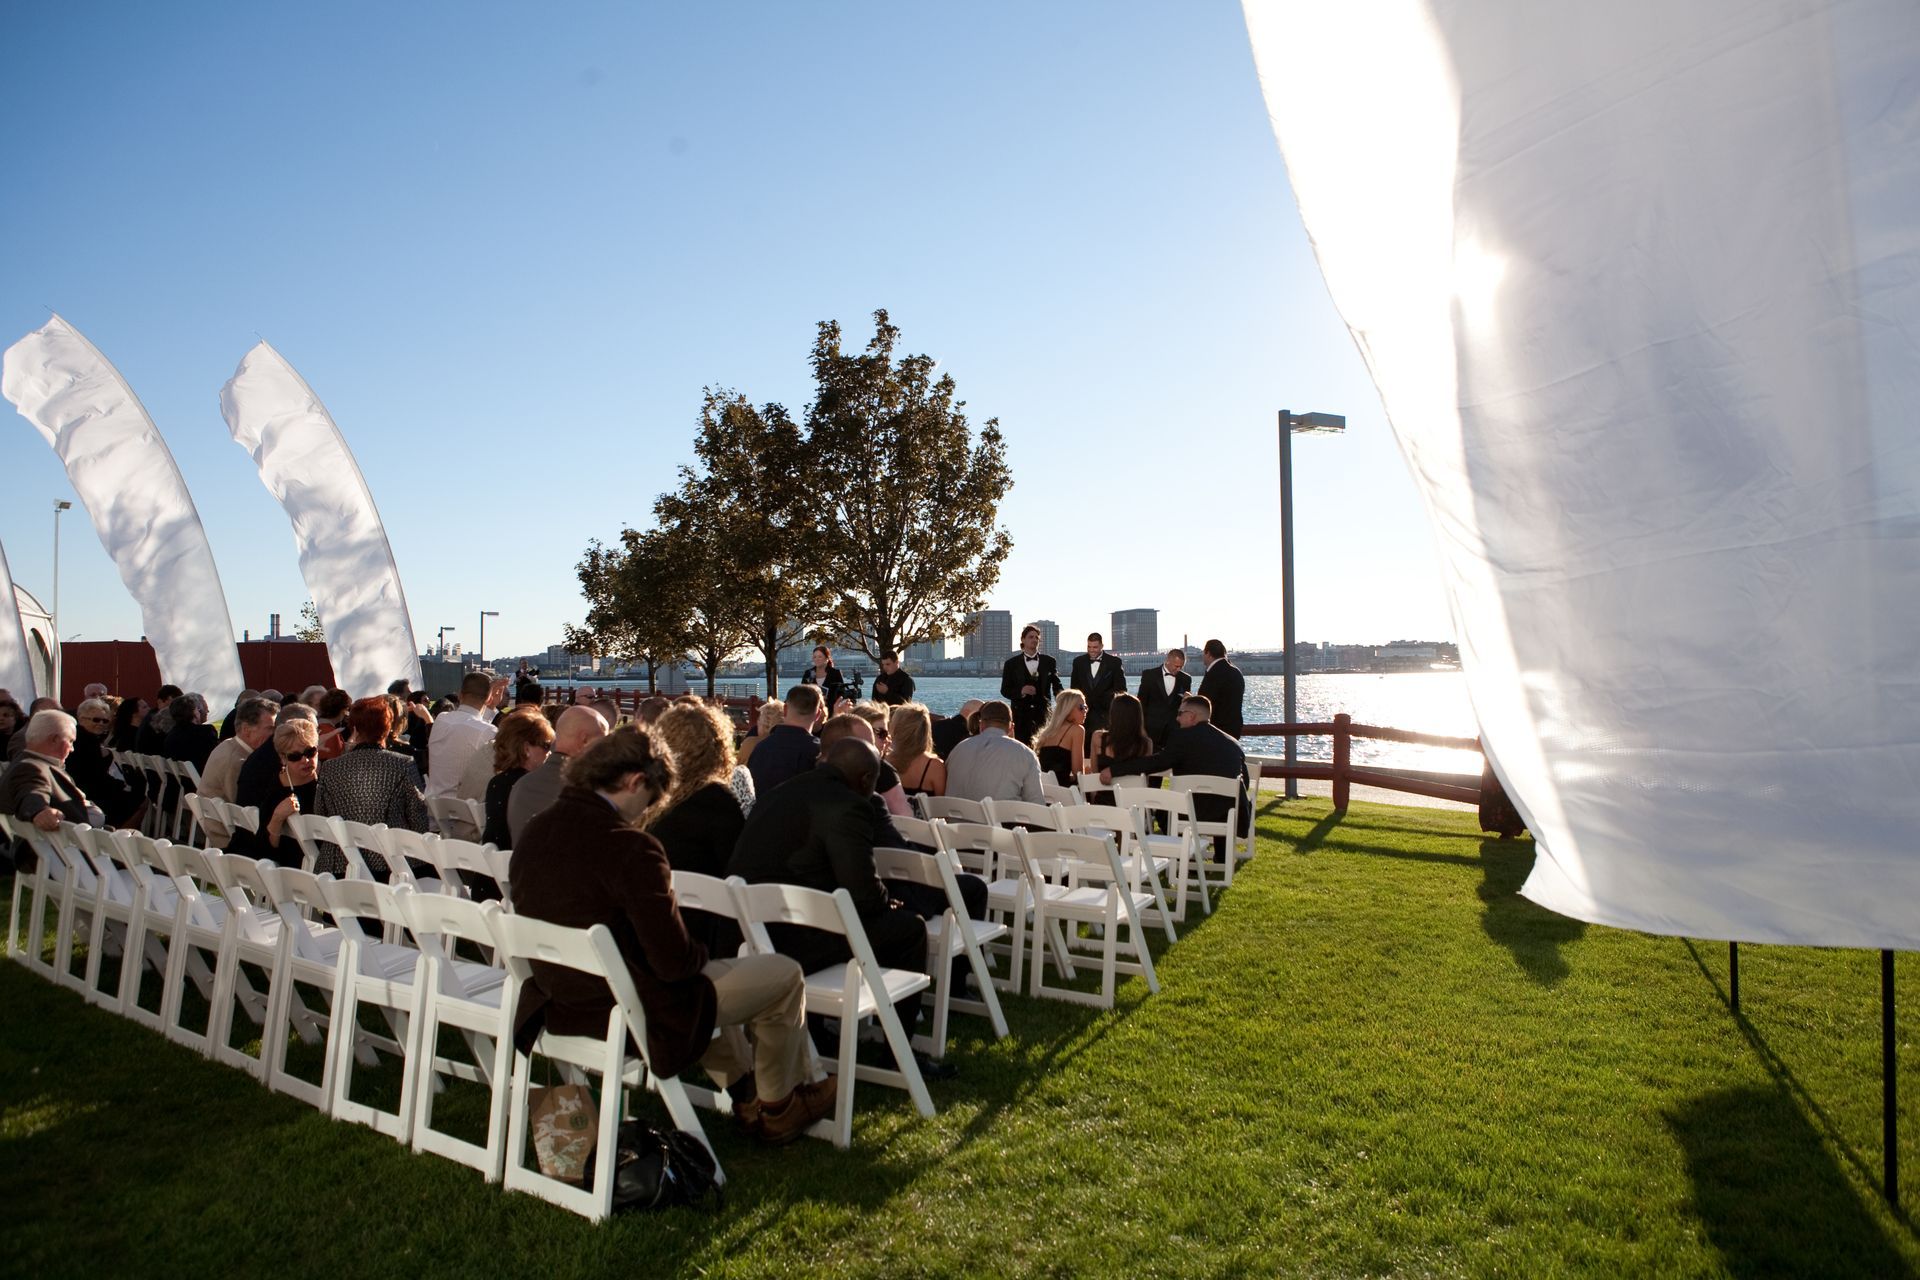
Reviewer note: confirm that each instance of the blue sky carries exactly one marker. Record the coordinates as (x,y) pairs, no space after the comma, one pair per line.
(508,246)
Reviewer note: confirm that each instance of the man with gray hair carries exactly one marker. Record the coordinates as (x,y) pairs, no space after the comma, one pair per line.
(18,747)
(577,729)
(94,690)
(252,723)
(37,786)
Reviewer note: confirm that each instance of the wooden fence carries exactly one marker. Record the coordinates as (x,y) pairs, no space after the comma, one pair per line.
(1343,773)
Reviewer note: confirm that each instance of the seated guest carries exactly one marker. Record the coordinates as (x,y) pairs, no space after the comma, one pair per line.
(278,781)
(877,718)
(577,729)
(1061,743)
(128,717)
(584,861)
(481,768)
(252,724)
(461,732)
(153,730)
(789,749)
(994,763)
(609,710)
(18,744)
(886,789)
(950,731)
(227,725)
(94,690)
(652,709)
(1124,738)
(1194,747)
(12,717)
(37,786)
(333,707)
(368,783)
(701,819)
(910,751)
(770,712)
(91,766)
(819,830)
(191,739)
(419,727)
(522,745)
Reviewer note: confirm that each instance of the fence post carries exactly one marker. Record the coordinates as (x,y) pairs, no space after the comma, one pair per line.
(1342,753)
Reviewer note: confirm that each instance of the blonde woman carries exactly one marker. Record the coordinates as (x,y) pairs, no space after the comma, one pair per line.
(1061,743)
(701,817)
(910,739)
(771,712)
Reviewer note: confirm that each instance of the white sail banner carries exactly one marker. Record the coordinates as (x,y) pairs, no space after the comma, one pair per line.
(16,667)
(133,492)
(345,558)
(1639,284)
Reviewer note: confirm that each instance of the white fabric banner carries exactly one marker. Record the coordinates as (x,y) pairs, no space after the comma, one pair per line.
(16,667)
(138,502)
(344,555)
(1639,284)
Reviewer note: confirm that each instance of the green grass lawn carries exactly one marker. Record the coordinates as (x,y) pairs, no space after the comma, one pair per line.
(1374,1059)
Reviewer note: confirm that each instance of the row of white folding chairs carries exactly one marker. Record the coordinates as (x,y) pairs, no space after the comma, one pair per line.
(176,823)
(453,864)
(169,905)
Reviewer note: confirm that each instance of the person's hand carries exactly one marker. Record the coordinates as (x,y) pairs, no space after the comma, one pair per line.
(879,686)
(284,810)
(1106,776)
(48,819)
(497,692)
(1026,691)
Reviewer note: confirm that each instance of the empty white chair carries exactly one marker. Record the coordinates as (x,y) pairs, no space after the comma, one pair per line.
(950,936)
(1181,849)
(462,862)
(521,941)
(387,976)
(1148,867)
(456,817)
(1021,813)
(454,995)
(322,841)
(851,992)
(254,935)
(199,929)
(309,956)
(1059,871)
(1238,849)
(1056,793)
(46,882)
(114,925)
(950,808)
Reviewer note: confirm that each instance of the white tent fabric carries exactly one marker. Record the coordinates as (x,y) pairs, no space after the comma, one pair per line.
(138,502)
(1639,284)
(345,558)
(16,671)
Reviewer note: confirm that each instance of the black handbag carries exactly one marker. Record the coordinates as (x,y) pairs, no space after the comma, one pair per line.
(657,1170)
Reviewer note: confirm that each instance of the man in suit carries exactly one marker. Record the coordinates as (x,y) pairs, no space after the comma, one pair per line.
(1099,675)
(37,787)
(1225,690)
(1029,681)
(1195,747)
(789,749)
(577,729)
(892,686)
(1160,692)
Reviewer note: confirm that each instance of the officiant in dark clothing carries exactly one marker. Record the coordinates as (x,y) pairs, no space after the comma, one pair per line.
(1099,675)
(1160,692)
(892,686)
(1029,682)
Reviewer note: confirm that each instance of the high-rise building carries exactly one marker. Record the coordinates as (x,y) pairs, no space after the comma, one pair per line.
(989,634)
(1049,635)
(926,651)
(1135,631)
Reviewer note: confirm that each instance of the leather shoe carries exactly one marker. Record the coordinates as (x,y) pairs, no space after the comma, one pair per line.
(748,1113)
(783,1121)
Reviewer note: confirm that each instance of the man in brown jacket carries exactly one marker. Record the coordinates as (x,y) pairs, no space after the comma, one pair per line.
(584,861)
(37,787)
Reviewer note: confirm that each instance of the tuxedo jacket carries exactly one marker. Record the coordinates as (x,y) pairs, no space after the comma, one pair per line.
(1202,749)
(1099,684)
(1226,689)
(899,688)
(1159,704)
(1029,713)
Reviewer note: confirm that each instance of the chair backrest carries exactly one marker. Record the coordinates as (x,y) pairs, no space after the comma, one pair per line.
(355,839)
(1058,794)
(522,940)
(234,817)
(1150,800)
(909,865)
(458,857)
(244,886)
(1021,813)
(294,892)
(1201,784)
(952,808)
(916,831)
(397,845)
(765,904)
(693,891)
(439,920)
(978,847)
(1054,856)
(367,900)
(1098,819)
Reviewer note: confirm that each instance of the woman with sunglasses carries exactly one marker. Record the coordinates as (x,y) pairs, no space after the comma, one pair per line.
(92,768)
(278,781)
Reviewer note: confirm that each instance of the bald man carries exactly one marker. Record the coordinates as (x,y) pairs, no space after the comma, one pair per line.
(577,729)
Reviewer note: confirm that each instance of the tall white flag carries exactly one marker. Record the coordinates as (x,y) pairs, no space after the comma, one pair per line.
(344,555)
(138,502)
(16,666)
(1639,283)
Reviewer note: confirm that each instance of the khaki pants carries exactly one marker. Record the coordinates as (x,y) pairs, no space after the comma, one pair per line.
(767,996)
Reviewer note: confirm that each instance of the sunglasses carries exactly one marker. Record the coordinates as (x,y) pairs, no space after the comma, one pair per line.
(294,757)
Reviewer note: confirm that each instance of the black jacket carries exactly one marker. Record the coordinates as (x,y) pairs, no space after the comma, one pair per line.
(948,733)
(1202,750)
(816,831)
(786,752)
(1029,713)
(1099,685)
(1226,689)
(899,688)
(832,687)
(1159,704)
(700,832)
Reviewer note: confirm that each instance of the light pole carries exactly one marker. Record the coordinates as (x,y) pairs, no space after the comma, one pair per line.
(1290,425)
(443,641)
(484,615)
(59,505)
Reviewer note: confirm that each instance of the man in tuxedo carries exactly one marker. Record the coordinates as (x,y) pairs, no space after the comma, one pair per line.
(1225,690)
(1030,681)
(1195,747)
(1099,675)
(1160,692)
(892,686)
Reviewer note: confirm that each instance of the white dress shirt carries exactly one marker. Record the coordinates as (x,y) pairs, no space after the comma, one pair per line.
(450,747)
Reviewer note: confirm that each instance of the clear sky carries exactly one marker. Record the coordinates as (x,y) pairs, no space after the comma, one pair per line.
(508,246)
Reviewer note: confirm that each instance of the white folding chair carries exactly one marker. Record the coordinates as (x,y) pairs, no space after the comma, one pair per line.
(693,891)
(253,933)
(1181,849)
(950,809)
(1059,868)
(481,1007)
(388,976)
(521,941)
(1146,866)
(357,839)
(1057,794)
(115,923)
(185,825)
(455,817)
(160,911)
(199,929)
(851,992)
(987,850)
(1021,813)
(36,886)
(462,860)
(309,955)
(950,936)
(319,839)
(1238,849)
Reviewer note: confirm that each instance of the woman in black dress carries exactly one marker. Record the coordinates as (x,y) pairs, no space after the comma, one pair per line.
(1124,738)
(910,751)
(826,677)
(1061,743)
(702,817)
(127,719)
(523,744)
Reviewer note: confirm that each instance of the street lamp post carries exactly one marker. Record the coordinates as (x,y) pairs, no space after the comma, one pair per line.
(59,505)
(1290,425)
(484,615)
(443,641)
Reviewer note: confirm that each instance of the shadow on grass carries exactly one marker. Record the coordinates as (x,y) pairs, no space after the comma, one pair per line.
(1531,934)
(1769,1194)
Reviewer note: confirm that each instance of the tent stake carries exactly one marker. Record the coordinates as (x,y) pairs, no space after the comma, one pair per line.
(1889,1111)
